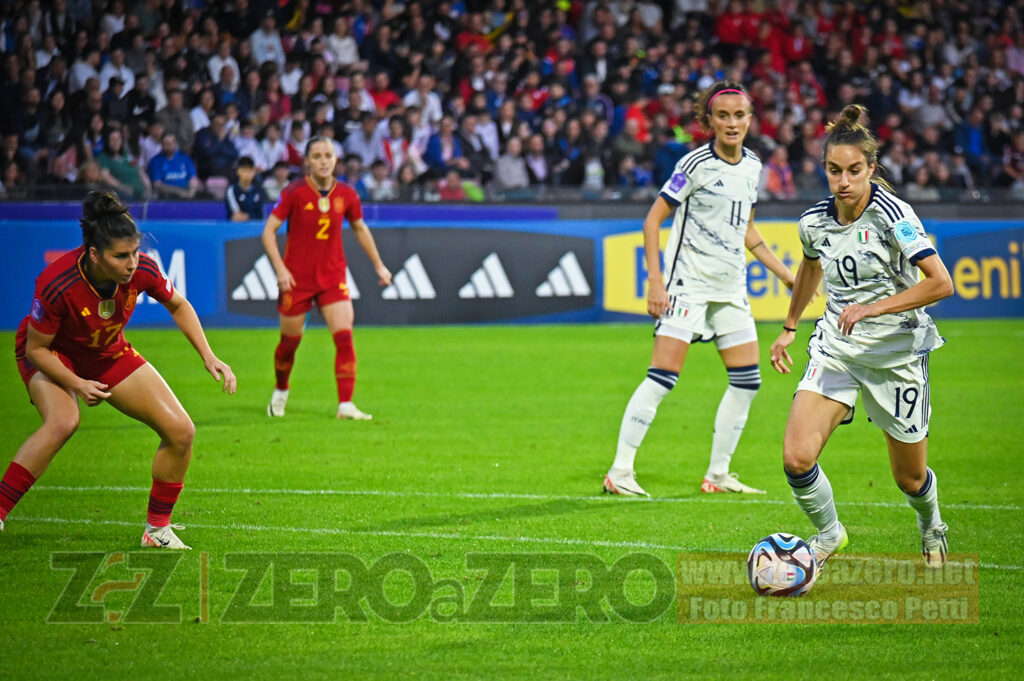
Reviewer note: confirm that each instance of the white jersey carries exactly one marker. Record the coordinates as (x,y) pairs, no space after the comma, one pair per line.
(863,262)
(704,257)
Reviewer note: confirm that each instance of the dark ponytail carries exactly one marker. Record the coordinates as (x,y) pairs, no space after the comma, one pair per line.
(105,218)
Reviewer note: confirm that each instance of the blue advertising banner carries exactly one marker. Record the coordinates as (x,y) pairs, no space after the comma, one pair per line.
(456,270)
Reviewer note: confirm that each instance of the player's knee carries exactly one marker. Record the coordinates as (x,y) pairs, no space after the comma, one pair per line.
(798,456)
(180,434)
(62,426)
(910,482)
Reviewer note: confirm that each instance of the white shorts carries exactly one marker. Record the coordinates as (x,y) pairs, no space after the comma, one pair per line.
(727,323)
(896,399)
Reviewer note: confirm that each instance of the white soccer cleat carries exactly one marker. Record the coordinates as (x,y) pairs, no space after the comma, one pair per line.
(824,550)
(729,482)
(624,484)
(163,538)
(934,546)
(277,403)
(348,410)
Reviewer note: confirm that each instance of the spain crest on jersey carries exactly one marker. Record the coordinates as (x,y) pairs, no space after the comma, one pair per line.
(107,308)
(129,300)
(339,204)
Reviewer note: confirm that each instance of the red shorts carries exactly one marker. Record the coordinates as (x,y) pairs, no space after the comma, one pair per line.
(300,301)
(109,370)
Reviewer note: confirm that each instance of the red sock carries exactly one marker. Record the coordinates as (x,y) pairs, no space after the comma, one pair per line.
(161,502)
(16,482)
(345,365)
(284,359)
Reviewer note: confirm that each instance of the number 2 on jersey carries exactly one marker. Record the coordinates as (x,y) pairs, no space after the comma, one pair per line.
(324,223)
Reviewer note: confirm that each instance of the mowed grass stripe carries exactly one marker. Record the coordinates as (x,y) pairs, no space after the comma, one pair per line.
(558,541)
(505,495)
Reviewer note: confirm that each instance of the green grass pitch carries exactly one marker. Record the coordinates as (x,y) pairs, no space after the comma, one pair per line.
(486,440)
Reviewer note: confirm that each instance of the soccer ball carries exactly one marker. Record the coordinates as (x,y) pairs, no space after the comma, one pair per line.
(781,565)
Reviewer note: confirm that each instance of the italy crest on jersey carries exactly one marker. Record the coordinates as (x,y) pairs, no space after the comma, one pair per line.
(862,236)
(106,308)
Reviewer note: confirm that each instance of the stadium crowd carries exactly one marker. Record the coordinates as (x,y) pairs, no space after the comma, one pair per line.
(462,100)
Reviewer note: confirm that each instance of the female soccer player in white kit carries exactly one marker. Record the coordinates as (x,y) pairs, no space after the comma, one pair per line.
(703,293)
(874,337)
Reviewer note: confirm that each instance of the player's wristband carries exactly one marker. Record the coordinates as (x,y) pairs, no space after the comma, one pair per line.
(787,328)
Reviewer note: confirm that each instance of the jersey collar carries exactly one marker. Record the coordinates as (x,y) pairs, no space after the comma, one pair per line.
(81,271)
(834,213)
(312,185)
(714,153)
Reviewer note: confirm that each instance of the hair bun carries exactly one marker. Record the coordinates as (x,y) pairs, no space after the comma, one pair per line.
(102,204)
(851,113)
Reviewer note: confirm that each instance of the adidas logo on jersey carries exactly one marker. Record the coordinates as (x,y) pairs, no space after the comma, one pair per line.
(911,429)
(718,184)
(565,280)
(489,281)
(260,283)
(825,242)
(411,282)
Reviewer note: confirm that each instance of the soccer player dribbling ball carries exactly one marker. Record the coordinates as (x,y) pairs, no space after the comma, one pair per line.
(874,337)
(703,294)
(312,270)
(72,345)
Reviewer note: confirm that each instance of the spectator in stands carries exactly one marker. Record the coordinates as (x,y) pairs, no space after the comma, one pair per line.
(141,105)
(266,41)
(451,186)
(176,120)
(120,169)
(538,165)
(425,99)
(223,58)
(510,174)
(379,184)
(480,165)
(444,150)
(244,199)
(116,68)
(246,144)
(778,176)
(365,142)
(214,153)
(342,46)
(276,181)
(274,147)
(172,172)
(969,137)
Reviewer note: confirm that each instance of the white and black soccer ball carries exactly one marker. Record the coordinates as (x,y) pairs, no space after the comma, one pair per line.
(781,565)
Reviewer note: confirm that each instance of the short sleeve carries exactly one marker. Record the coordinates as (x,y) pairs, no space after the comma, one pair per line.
(154,283)
(678,187)
(283,208)
(353,208)
(46,317)
(910,238)
(810,252)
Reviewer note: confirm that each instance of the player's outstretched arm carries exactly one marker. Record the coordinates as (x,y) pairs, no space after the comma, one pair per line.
(936,285)
(37,349)
(759,249)
(285,280)
(808,276)
(657,295)
(185,317)
(365,239)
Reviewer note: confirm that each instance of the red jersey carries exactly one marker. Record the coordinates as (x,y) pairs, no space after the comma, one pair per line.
(314,253)
(86,324)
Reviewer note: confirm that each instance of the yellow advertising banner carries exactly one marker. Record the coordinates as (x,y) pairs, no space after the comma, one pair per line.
(625,273)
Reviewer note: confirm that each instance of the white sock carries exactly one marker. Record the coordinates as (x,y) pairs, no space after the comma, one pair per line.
(926,502)
(640,414)
(813,493)
(732,417)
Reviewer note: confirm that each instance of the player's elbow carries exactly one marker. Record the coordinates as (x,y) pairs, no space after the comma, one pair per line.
(944,287)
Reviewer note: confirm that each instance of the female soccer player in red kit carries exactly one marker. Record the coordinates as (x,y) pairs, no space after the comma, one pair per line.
(72,345)
(313,270)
